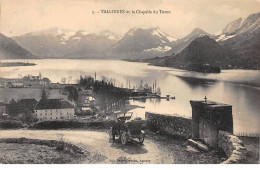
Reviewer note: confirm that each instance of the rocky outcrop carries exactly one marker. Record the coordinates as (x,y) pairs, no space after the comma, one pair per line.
(232,27)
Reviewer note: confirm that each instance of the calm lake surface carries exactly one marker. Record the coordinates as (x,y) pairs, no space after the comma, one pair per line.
(239,88)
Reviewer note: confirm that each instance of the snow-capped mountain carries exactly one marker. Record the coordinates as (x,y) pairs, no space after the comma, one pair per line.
(52,31)
(244,43)
(182,43)
(239,26)
(232,27)
(66,43)
(88,46)
(140,40)
(157,32)
(110,35)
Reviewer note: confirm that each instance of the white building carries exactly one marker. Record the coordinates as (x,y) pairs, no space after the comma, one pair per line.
(54,109)
(89,101)
(17,84)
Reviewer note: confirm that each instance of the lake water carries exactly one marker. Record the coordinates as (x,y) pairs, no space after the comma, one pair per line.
(239,88)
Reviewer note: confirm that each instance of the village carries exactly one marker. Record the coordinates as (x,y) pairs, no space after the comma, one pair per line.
(35,98)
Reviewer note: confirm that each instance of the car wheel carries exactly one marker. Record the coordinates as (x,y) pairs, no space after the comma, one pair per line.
(141,138)
(123,138)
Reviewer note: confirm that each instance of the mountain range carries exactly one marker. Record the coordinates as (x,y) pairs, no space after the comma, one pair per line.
(62,43)
(239,40)
(236,46)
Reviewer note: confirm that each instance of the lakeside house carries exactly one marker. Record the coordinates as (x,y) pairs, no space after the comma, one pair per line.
(86,101)
(16,85)
(26,81)
(54,109)
(35,81)
(89,101)
(86,98)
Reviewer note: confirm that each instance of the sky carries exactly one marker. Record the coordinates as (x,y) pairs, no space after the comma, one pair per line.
(18,17)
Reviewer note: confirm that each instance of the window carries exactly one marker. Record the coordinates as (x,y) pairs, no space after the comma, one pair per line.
(51,113)
(36,111)
(51,117)
(41,114)
(56,118)
(36,114)
(45,113)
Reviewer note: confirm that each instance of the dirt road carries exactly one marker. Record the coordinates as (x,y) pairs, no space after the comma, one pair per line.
(98,144)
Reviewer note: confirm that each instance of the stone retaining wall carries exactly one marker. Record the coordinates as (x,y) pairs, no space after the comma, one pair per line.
(233,147)
(168,124)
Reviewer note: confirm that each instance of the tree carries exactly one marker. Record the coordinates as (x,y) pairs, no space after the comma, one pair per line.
(73,93)
(44,95)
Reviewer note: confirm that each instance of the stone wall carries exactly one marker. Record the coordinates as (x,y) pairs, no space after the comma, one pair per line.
(233,147)
(168,124)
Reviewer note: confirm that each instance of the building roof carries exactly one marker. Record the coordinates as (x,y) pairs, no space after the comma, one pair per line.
(26,101)
(29,103)
(16,108)
(12,101)
(65,105)
(53,104)
(2,104)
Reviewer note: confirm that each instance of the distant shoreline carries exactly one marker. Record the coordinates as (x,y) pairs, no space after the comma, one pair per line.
(13,64)
(203,67)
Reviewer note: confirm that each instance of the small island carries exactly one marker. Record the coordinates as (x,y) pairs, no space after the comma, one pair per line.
(13,64)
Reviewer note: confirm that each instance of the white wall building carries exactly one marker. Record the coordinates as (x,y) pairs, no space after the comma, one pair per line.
(54,109)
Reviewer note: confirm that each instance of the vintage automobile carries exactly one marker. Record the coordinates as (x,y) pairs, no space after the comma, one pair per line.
(127,129)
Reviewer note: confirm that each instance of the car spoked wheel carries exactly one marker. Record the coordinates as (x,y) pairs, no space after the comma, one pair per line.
(123,138)
(141,138)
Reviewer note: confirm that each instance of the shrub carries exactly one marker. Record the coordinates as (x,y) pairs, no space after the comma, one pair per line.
(11,124)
